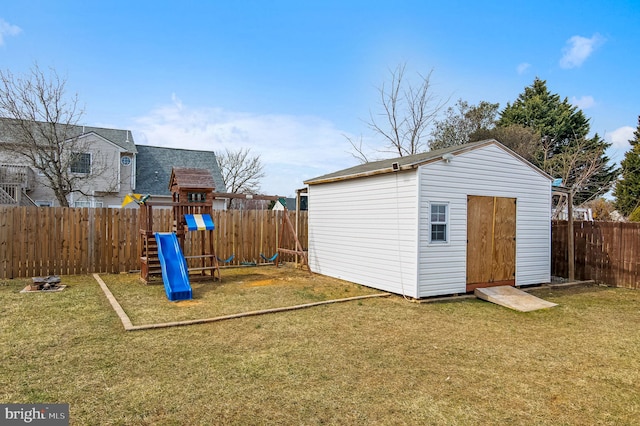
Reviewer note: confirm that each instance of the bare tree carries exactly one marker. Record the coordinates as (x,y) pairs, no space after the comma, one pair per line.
(407,113)
(357,150)
(579,167)
(39,127)
(240,171)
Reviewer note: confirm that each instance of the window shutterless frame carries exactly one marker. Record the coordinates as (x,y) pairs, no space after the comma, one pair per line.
(438,222)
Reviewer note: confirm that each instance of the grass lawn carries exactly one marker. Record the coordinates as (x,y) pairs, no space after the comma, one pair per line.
(374,361)
(241,290)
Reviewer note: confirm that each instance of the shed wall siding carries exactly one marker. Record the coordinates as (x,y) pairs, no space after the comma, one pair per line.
(488,171)
(365,231)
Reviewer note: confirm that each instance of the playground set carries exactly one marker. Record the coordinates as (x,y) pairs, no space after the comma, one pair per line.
(162,254)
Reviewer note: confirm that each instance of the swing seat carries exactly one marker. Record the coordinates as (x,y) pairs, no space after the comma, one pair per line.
(269,259)
(229,259)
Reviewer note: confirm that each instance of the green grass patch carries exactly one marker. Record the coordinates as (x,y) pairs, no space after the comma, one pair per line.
(380,361)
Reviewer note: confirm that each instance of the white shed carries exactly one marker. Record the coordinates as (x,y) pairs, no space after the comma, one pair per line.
(436,223)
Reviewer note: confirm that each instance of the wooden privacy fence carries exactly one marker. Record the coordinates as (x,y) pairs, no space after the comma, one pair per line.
(606,252)
(39,241)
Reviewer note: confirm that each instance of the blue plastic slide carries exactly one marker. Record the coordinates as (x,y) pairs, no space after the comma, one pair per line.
(174,267)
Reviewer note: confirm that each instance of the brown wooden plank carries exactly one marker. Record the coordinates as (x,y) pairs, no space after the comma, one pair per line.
(479,230)
(7,238)
(83,265)
(35,244)
(97,240)
(504,240)
(23,261)
(4,242)
(111,256)
(72,222)
(471,287)
(15,243)
(129,238)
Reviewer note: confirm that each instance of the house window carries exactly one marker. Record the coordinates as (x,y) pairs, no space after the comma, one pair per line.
(439,222)
(125,160)
(81,162)
(88,203)
(43,203)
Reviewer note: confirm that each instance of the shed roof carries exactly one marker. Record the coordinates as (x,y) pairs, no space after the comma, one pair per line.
(154,165)
(410,162)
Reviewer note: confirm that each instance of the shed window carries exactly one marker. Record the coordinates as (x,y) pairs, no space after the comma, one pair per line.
(439,222)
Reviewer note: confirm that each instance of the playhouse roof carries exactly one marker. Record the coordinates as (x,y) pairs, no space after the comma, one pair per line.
(189,178)
(410,162)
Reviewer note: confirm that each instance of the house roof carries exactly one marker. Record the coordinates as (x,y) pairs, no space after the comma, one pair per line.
(409,162)
(154,165)
(121,138)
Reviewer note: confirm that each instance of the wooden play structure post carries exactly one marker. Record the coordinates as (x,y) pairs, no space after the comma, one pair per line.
(571,255)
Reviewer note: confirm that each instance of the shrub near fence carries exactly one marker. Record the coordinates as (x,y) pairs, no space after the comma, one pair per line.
(606,252)
(39,241)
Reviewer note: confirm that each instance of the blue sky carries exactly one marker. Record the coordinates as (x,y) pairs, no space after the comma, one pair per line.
(289,79)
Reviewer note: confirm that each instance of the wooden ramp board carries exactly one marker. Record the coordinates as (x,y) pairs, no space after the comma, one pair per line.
(512,298)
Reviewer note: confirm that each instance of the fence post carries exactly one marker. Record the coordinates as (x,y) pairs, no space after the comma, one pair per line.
(571,238)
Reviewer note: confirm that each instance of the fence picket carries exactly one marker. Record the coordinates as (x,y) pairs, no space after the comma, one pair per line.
(606,252)
(65,240)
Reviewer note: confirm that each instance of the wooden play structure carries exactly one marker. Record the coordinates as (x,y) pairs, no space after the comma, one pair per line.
(192,196)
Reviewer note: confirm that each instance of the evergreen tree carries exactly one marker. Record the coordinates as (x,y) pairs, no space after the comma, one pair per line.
(457,126)
(564,149)
(557,121)
(627,190)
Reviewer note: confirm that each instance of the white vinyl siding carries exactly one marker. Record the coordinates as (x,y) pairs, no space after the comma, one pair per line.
(487,171)
(376,230)
(365,231)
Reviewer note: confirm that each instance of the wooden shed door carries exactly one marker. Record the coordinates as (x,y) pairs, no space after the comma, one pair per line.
(491,241)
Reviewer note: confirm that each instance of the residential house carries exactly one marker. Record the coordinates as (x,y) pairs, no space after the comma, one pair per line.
(105,161)
(113,164)
(291,204)
(155,163)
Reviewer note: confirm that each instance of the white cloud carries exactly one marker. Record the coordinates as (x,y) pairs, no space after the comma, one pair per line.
(583,102)
(6,29)
(523,67)
(292,148)
(620,137)
(619,140)
(578,49)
